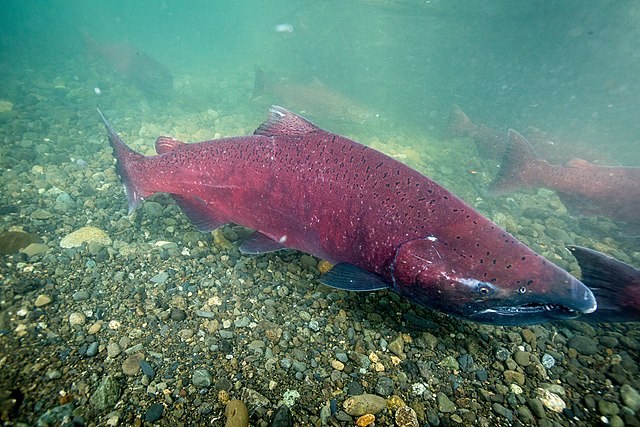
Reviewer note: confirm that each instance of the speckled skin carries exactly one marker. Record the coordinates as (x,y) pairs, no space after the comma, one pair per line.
(344,202)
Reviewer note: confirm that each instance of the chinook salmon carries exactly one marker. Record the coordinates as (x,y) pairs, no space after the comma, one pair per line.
(382,224)
(584,188)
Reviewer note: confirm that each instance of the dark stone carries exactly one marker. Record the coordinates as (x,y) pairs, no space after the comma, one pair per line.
(147,369)
(282,417)
(154,413)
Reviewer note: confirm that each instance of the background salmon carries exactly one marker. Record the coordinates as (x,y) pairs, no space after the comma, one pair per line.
(149,75)
(381,223)
(586,189)
(492,144)
(316,99)
(615,284)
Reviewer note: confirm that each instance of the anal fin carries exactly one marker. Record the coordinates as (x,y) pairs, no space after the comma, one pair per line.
(257,243)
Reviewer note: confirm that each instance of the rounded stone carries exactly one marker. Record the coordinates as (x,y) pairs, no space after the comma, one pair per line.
(357,406)
(82,235)
(201,378)
(77,318)
(236,413)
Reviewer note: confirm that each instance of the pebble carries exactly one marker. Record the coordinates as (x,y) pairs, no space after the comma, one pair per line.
(113,350)
(550,400)
(397,347)
(364,404)
(201,378)
(502,411)
(95,328)
(147,369)
(630,397)
(365,420)
(35,249)
(583,344)
(236,413)
(522,358)
(92,350)
(154,413)
(445,405)
(282,417)
(131,365)
(42,300)
(107,394)
(337,365)
(384,386)
(85,235)
(160,277)
(548,361)
(406,417)
(608,408)
(81,295)
(77,318)
(536,407)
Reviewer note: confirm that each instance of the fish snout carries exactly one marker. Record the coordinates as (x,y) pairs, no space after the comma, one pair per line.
(584,300)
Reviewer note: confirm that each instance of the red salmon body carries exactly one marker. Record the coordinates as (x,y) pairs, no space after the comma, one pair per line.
(382,223)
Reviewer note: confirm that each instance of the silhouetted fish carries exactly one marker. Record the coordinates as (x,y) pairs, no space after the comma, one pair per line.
(316,99)
(381,223)
(492,144)
(142,70)
(616,286)
(585,189)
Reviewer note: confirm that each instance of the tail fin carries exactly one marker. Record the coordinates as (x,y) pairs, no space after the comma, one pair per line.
(258,84)
(460,123)
(518,156)
(615,285)
(126,160)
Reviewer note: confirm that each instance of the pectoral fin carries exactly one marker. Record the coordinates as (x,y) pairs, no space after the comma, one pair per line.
(348,277)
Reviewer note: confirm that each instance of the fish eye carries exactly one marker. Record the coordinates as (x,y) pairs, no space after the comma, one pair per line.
(522,290)
(484,289)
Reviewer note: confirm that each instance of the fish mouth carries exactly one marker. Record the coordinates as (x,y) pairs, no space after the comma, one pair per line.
(526,314)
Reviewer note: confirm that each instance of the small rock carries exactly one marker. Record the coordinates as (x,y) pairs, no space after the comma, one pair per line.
(550,400)
(42,300)
(106,395)
(81,295)
(536,407)
(445,405)
(522,358)
(87,234)
(131,365)
(160,277)
(56,416)
(113,350)
(147,369)
(282,417)
(35,249)
(237,414)
(607,408)
(201,378)
(77,318)
(502,411)
(95,328)
(514,376)
(92,350)
(397,347)
(366,420)
(384,386)
(406,417)
(337,365)
(364,404)
(630,397)
(154,413)
(583,344)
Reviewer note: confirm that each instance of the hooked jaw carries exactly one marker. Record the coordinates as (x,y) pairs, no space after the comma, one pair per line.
(570,302)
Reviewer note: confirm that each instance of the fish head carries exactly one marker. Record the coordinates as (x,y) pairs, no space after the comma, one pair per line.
(496,291)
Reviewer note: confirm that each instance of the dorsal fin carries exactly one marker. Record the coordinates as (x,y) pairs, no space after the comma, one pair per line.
(283,122)
(164,144)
